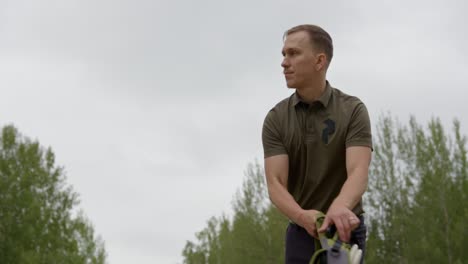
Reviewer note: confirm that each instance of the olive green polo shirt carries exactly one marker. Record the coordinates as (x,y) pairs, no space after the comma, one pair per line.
(315,137)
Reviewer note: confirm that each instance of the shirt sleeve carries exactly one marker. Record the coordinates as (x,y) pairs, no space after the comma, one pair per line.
(359,129)
(271,136)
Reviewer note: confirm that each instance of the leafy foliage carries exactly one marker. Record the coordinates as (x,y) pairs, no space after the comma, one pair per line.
(36,208)
(417,194)
(254,235)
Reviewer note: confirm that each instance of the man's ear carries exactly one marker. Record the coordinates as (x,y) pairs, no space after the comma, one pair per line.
(321,62)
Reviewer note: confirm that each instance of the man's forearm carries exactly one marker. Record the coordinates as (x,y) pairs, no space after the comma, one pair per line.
(353,189)
(284,201)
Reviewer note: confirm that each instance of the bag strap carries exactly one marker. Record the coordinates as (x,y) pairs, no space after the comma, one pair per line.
(323,243)
(319,248)
(323,239)
(319,218)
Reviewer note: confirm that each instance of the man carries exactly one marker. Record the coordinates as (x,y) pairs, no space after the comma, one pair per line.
(317,146)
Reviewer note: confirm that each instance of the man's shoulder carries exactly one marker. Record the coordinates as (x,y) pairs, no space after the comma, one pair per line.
(345,98)
(283,105)
(279,112)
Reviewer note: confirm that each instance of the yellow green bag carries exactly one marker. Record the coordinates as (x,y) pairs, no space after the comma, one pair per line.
(329,249)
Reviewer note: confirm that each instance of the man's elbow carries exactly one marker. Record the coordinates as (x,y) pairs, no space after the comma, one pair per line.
(270,190)
(273,189)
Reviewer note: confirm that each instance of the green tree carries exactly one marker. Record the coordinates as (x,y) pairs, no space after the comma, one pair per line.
(255,234)
(38,223)
(418,183)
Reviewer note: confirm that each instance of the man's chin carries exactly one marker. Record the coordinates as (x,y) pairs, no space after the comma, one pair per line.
(290,85)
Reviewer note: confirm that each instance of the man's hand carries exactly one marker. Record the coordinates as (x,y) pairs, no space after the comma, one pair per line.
(307,220)
(343,218)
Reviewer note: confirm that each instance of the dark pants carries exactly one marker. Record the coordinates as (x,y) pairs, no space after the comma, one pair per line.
(300,245)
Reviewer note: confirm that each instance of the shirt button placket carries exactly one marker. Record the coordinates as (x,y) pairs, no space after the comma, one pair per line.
(310,127)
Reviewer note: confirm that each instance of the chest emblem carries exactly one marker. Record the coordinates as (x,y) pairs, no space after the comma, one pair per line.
(328,130)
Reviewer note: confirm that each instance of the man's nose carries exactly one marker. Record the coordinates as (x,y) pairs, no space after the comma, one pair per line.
(285,63)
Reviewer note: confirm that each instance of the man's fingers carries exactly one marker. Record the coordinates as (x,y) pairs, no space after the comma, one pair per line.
(325,225)
(344,236)
(354,222)
(312,231)
(315,234)
(346,227)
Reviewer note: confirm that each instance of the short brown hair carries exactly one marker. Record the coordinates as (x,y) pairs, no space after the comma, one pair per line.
(320,39)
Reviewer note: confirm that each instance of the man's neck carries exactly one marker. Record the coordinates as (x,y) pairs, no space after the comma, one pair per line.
(312,92)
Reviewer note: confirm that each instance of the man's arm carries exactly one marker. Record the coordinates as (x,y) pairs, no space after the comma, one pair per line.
(358,159)
(357,166)
(276,170)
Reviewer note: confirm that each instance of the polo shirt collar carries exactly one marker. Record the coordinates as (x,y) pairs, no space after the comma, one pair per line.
(323,99)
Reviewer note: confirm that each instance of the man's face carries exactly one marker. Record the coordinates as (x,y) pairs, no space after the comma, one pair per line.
(299,60)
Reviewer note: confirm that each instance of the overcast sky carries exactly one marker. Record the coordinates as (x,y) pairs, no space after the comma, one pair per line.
(155,108)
